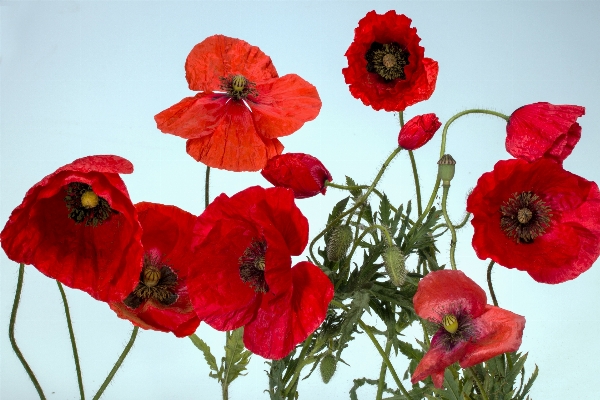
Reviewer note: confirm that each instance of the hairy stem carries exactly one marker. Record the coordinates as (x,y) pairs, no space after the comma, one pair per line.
(206,186)
(417,185)
(490,286)
(72,337)
(11,334)
(450,227)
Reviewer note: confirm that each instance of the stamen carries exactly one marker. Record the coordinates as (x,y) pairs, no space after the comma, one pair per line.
(85,206)
(157,282)
(252,266)
(525,216)
(238,87)
(387,60)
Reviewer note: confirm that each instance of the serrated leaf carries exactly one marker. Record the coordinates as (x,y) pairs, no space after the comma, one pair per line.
(515,369)
(236,356)
(385,210)
(529,383)
(203,347)
(339,208)
(359,303)
(355,192)
(358,383)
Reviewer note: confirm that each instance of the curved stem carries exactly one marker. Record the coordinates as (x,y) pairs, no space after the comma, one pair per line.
(344,187)
(460,114)
(416,176)
(479,384)
(11,333)
(363,199)
(382,371)
(450,227)
(417,223)
(206,181)
(72,337)
(490,286)
(113,371)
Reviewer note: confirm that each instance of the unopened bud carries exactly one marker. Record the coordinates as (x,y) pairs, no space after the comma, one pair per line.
(328,366)
(446,167)
(339,243)
(393,260)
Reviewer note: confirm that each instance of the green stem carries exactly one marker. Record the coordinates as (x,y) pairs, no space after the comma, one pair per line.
(450,227)
(206,181)
(11,334)
(363,199)
(225,384)
(344,187)
(383,371)
(417,223)
(491,287)
(117,365)
(303,360)
(416,176)
(460,114)
(479,384)
(463,223)
(72,337)
(401,118)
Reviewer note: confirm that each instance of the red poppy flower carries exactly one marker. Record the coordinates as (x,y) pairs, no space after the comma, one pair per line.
(543,130)
(160,301)
(302,173)
(246,278)
(418,131)
(238,128)
(386,66)
(470,331)
(78,225)
(538,218)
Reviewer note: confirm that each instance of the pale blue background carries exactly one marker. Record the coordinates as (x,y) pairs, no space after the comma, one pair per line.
(81,78)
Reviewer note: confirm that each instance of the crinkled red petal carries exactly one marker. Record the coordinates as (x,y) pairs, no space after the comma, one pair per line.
(234,145)
(370,88)
(193,117)
(220,56)
(283,105)
(418,131)
(104,261)
(543,130)
(107,164)
(569,245)
(220,297)
(498,331)
(302,173)
(436,360)
(286,320)
(444,291)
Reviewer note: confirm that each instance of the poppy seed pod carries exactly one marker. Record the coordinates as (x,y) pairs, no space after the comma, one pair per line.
(339,242)
(446,167)
(327,367)
(393,260)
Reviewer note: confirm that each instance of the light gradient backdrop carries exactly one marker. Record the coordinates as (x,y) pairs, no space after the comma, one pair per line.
(83,78)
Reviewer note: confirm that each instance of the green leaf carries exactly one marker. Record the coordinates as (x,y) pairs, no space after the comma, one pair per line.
(527,387)
(385,210)
(355,192)
(236,357)
(210,359)
(358,383)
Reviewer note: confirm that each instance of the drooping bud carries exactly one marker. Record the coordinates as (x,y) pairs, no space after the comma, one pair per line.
(327,367)
(339,243)
(446,166)
(393,260)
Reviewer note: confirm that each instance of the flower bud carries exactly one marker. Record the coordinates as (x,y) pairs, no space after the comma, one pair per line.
(446,169)
(418,131)
(339,243)
(328,366)
(302,173)
(393,260)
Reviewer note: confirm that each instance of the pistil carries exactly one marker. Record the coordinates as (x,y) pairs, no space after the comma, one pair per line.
(252,266)
(387,60)
(525,216)
(85,206)
(157,282)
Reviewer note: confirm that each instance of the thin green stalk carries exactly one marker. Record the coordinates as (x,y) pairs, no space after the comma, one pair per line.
(344,187)
(490,286)
(450,227)
(383,371)
(479,384)
(417,185)
(460,114)
(303,360)
(401,118)
(72,337)
(11,334)
(225,384)
(463,223)
(117,365)
(417,223)
(206,181)
(364,198)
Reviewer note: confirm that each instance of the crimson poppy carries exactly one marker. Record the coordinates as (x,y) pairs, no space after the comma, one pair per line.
(543,130)
(237,128)
(418,131)
(78,225)
(470,331)
(387,68)
(160,301)
(244,245)
(536,217)
(302,173)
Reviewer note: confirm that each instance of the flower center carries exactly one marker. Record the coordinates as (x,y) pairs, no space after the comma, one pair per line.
(157,282)
(387,60)
(238,87)
(252,266)
(85,206)
(450,323)
(525,216)
(455,327)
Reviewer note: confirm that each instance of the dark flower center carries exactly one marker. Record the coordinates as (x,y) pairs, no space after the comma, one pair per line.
(157,281)
(387,60)
(525,216)
(252,266)
(455,327)
(85,206)
(238,87)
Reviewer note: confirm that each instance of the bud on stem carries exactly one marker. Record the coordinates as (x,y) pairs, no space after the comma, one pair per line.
(339,243)
(393,260)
